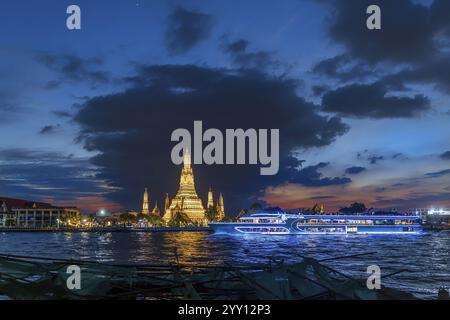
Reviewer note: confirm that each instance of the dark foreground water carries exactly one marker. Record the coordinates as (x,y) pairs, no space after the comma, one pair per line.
(426,256)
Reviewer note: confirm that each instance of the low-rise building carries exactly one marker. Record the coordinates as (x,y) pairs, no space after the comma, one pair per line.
(32,214)
(434,216)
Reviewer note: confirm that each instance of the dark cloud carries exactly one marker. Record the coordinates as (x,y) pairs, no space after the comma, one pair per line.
(330,66)
(344,68)
(311,177)
(33,174)
(322,197)
(319,90)
(407,50)
(49,129)
(375,159)
(20,154)
(238,46)
(243,57)
(410,37)
(414,200)
(372,101)
(186,29)
(445,155)
(435,71)
(354,170)
(398,185)
(73,69)
(131,129)
(440,13)
(438,174)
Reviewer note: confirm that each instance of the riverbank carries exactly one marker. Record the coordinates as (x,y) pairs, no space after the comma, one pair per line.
(307,278)
(109,229)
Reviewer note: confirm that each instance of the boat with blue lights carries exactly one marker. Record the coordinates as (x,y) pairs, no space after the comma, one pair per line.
(298,224)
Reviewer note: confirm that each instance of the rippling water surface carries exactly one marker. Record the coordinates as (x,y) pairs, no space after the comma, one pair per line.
(426,256)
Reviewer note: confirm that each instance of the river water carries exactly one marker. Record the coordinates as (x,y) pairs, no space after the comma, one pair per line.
(426,256)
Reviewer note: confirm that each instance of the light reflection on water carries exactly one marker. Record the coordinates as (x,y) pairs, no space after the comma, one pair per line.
(426,256)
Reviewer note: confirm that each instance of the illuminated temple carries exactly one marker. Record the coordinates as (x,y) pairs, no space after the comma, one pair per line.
(186,199)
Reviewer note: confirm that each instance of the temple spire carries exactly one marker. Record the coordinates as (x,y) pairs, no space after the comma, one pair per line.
(155,210)
(145,204)
(210,199)
(187,159)
(186,198)
(166,203)
(220,208)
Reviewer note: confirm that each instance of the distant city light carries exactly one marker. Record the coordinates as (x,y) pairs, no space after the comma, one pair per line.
(441,211)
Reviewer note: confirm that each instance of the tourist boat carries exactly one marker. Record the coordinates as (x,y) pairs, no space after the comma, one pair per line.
(283,223)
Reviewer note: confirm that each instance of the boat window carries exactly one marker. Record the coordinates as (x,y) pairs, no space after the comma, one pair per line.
(352,229)
(322,229)
(262,229)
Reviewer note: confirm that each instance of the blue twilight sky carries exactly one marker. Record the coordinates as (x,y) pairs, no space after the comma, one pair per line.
(366,114)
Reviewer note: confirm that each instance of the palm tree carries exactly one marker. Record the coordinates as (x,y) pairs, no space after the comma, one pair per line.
(226,219)
(155,220)
(179,218)
(256,207)
(243,212)
(211,214)
(127,218)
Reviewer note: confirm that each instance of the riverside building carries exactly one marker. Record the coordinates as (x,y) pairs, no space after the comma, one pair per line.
(32,214)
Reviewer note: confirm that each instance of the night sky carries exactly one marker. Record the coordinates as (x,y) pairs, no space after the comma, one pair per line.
(86,115)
